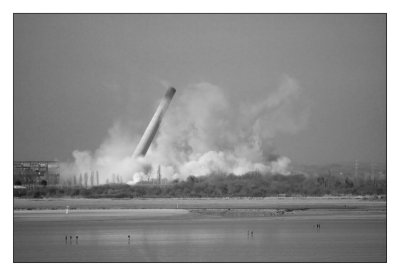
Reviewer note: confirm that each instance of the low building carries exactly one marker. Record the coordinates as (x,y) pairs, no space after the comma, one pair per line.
(33,173)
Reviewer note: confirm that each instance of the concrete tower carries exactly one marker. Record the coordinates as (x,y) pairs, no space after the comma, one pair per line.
(154,124)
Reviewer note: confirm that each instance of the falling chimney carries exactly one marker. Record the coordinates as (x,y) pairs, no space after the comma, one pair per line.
(154,124)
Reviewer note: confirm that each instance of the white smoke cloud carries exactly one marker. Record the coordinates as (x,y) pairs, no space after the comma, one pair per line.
(203,132)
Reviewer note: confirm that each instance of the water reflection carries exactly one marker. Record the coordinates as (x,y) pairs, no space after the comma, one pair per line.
(197,240)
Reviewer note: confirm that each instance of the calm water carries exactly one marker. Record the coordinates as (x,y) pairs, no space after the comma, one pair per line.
(103,237)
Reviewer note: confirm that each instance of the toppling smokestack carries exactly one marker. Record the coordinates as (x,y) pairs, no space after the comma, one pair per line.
(154,124)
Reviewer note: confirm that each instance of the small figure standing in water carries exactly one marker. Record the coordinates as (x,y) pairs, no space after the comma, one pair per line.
(76,239)
(129,238)
(70,239)
(251,233)
(66,239)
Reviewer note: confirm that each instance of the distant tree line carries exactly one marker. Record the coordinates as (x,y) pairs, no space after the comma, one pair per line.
(219,185)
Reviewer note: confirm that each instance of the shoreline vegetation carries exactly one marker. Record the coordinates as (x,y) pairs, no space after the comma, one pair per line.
(252,185)
(250,195)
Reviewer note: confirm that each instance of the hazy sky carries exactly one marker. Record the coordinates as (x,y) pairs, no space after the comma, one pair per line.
(76,75)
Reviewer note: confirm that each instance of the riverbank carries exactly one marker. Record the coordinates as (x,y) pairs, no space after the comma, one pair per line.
(271,203)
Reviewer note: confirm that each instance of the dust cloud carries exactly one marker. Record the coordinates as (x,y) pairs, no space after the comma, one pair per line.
(203,132)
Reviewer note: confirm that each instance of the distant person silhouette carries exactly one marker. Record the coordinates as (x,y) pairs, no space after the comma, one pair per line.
(66,239)
(76,239)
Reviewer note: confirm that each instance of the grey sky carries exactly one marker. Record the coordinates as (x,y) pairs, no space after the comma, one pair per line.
(75,75)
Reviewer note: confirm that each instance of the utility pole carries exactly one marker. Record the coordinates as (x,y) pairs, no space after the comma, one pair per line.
(91,178)
(373,174)
(356,173)
(159,175)
(85,176)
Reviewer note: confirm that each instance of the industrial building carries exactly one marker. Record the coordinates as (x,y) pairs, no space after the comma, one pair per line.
(34,173)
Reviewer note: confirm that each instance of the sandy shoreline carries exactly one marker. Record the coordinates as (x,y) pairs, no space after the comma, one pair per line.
(191,214)
(211,207)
